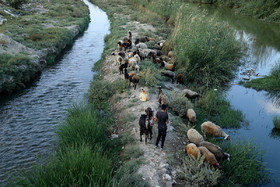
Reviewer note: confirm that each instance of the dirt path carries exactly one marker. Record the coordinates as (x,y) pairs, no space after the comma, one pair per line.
(156,168)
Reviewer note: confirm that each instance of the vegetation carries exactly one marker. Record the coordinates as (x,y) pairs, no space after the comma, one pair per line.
(213,106)
(271,82)
(196,172)
(244,157)
(49,28)
(16,3)
(15,71)
(261,9)
(202,44)
(276,122)
(179,104)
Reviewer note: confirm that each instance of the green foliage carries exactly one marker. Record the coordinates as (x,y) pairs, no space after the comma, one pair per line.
(15,71)
(245,167)
(195,172)
(276,122)
(127,175)
(120,85)
(99,92)
(16,3)
(179,104)
(84,125)
(216,108)
(71,167)
(132,152)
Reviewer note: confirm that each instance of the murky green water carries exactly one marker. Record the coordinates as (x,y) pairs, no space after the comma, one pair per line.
(259,107)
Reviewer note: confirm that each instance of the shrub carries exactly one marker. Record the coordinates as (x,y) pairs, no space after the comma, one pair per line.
(99,92)
(195,172)
(16,3)
(179,104)
(120,85)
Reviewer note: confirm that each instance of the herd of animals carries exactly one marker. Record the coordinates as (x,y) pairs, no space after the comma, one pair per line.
(128,57)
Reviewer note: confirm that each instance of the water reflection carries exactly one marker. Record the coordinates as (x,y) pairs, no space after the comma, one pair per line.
(275,133)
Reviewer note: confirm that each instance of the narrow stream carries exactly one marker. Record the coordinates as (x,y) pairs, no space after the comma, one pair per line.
(259,107)
(29,119)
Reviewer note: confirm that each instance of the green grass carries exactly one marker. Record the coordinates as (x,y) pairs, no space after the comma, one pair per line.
(85,156)
(271,82)
(213,106)
(15,72)
(245,167)
(276,122)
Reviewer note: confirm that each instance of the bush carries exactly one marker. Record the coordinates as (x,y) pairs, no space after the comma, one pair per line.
(179,104)
(99,92)
(16,3)
(120,85)
(198,173)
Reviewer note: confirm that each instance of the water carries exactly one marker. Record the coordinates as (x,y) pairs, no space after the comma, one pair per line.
(259,107)
(29,119)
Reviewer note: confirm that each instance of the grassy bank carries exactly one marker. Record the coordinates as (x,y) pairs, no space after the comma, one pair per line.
(202,44)
(268,11)
(270,82)
(38,25)
(86,156)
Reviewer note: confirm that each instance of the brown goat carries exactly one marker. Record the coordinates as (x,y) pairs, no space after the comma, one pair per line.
(180,78)
(134,79)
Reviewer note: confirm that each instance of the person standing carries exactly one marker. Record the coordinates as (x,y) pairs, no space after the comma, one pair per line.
(162,119)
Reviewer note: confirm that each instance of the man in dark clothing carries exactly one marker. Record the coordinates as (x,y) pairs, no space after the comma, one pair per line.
(162,118)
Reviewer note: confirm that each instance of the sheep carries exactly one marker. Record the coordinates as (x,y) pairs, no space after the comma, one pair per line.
(129,35)
(169,74)
(157,60)
(141,46)
(168,66)
(170,54)
(210,128)
(194,136)
(120,45)
(162,99)
(126,44)
(137,68)
(180,78)
(192,150)
(126,75)
(143,39)
(143,53)
(216,150)
(165,58)
(119,60)
(209,157)
(152,54)
(144,96)
(134,79)
(190,94)
(132,63)
(150,115)
(124,65)
(137,57)
(142,125)
(161,44)
(191,116)
(122,54)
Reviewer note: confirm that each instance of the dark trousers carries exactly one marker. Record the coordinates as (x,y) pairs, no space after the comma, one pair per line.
(162,135)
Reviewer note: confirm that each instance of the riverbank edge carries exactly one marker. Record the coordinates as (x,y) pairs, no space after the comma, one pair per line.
(45,57)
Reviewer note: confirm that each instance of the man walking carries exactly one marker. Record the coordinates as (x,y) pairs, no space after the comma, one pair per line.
(162,118)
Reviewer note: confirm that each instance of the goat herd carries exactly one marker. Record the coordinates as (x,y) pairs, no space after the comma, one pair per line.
(129,55)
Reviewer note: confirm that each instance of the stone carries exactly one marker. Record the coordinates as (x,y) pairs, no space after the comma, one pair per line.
(166,177)
(114,136)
